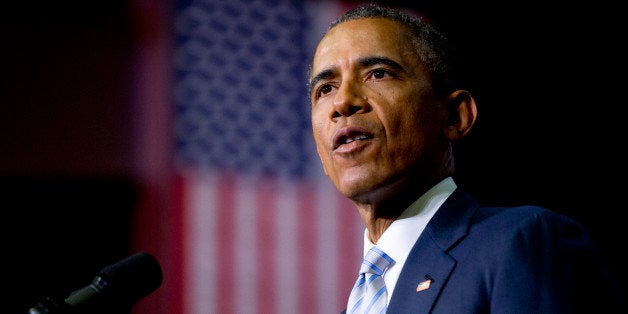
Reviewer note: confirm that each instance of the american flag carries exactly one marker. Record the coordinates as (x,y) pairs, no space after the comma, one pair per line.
(262,230)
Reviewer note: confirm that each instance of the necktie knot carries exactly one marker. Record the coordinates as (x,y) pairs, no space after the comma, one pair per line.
(376,262)
(369,293)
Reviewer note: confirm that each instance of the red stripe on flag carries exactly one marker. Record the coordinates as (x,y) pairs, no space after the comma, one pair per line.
(349,251)
(225,234)
(267,244)
(308,285)
(173,269)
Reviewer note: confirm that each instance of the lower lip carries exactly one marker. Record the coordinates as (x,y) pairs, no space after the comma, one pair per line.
(352,147)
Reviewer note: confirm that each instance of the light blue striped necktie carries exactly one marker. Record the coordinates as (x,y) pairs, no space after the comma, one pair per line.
(369,292)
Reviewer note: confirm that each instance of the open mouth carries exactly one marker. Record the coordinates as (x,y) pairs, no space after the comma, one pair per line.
(350,135)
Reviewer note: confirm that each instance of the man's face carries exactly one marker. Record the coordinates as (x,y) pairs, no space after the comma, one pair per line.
(374,118)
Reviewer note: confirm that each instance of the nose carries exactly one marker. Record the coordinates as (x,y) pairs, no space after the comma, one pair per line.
(349,100)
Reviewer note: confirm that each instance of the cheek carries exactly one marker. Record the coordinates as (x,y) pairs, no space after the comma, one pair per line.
(317,129)
(409,132)
(319,123)
(321,140)
(319,134)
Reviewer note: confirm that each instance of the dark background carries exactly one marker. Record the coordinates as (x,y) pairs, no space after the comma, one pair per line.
(549,82)
(67,179)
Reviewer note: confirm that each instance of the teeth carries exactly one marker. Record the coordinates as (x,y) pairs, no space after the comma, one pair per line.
(351,139)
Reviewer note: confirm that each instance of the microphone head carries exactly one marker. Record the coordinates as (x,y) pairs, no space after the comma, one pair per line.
(132,278)
(118,286)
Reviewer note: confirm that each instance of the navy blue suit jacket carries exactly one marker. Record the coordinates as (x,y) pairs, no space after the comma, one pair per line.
(523,259)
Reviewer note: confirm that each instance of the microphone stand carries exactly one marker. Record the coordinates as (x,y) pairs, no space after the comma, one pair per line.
(48,305)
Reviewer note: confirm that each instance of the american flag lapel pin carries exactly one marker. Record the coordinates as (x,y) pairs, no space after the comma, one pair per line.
(424,285)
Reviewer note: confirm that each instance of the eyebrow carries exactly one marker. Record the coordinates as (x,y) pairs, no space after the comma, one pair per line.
(371,61)
(365,62)
(322,75)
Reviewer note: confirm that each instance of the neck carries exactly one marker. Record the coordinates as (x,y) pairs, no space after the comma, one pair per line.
(378,216)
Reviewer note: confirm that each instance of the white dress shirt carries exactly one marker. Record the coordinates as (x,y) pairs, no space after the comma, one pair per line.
(398,239)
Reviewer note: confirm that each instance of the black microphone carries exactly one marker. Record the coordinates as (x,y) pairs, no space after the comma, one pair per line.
(117,286)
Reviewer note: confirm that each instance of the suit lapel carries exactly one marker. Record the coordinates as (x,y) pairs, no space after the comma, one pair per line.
(428,266)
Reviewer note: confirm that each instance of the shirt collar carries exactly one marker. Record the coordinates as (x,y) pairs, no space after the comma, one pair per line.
(398,239)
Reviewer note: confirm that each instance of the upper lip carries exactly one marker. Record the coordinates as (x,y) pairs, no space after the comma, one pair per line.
(349,134)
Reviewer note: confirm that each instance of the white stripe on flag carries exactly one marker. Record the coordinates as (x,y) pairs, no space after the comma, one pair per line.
(327,256)
(287,248)
(200,198)
(246,245)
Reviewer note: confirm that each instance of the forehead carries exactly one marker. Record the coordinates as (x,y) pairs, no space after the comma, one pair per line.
(355,39)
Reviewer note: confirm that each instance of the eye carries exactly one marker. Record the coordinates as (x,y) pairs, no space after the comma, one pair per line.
(380,74)
(325,89)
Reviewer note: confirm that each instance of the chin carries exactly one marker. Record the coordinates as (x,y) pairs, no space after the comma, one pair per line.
(356,188)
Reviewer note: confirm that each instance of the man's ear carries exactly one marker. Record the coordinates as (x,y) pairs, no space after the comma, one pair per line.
(462,112)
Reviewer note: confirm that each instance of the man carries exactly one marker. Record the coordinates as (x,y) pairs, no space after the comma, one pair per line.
(386,109)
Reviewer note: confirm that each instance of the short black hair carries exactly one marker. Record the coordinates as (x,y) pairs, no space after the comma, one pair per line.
(434,50)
